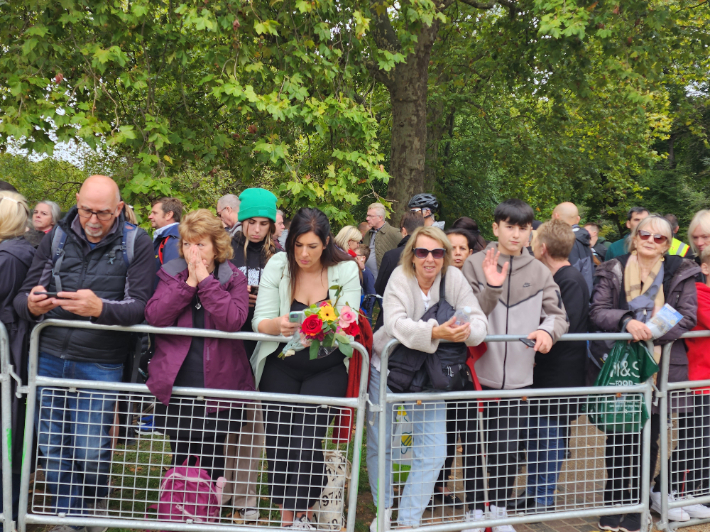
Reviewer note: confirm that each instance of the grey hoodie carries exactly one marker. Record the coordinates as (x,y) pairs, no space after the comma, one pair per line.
(528,300)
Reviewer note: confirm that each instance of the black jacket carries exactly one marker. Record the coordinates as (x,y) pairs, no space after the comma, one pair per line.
(581,256)
(390,261)
(123,290)
(15,259)
(251,264)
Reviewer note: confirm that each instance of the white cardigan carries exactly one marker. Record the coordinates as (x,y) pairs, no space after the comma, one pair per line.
(403,307)
(274,298)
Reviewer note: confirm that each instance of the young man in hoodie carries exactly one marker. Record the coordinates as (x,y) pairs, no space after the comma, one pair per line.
(519,296)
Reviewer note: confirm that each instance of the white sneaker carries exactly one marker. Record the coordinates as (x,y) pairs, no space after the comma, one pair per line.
(697,511)
(471,516)
(388,521)
(302,523)
(674,514)
(500,513)
(249,514)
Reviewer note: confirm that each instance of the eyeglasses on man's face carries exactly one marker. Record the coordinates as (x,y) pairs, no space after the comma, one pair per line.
(103,216)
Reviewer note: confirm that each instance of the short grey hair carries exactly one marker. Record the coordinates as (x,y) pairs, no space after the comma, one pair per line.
(54,208)
(229,200)
(379,208)
(279,211)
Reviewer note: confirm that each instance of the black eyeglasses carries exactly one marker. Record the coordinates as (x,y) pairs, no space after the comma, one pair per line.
(423,253)
(658,239)
(104,216)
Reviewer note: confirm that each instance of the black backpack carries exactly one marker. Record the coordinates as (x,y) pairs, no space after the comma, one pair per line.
(411,370)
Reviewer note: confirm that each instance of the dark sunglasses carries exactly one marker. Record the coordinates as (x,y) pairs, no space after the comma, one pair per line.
(658,239)
(423,253)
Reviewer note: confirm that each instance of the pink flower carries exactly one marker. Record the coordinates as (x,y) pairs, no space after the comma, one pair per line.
(324,303)
(347,316)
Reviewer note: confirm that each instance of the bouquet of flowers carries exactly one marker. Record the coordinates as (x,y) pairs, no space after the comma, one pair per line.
(324,329)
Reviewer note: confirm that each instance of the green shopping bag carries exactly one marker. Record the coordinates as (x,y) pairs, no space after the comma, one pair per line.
(626,365)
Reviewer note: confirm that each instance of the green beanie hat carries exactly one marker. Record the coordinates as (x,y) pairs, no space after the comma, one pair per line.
(257,202)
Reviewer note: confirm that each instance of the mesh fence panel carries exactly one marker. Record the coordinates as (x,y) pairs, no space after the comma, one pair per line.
(194,461)
(541,454)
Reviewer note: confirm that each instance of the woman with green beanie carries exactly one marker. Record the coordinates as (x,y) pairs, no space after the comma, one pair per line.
(255,244)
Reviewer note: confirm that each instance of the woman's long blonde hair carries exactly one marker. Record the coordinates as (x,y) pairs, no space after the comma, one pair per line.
(407,259)
(14,214)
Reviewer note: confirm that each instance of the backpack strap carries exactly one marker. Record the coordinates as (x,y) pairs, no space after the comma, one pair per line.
(59,239)
(128,243)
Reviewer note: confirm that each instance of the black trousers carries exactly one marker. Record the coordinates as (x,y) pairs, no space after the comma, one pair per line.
(622,468)
(195,434)
(503,423)
(295,433)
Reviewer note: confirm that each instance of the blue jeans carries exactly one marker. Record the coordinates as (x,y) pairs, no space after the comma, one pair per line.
(546,454)
(429,454)
(15,496)
(73,433)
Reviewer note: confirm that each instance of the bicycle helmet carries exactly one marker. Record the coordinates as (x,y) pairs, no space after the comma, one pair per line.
(424,201)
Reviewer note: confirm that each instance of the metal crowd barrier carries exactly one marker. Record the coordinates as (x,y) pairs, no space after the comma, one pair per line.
(300,468)
(579,488)
(684,444)
(5,381)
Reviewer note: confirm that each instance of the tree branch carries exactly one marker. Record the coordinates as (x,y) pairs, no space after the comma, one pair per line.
(480,5)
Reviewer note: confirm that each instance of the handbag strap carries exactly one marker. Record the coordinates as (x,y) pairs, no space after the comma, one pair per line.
(442,288)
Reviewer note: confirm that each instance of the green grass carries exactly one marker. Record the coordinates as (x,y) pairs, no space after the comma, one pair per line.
(138,470)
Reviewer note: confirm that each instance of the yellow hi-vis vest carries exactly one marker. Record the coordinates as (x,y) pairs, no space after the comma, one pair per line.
(678,248)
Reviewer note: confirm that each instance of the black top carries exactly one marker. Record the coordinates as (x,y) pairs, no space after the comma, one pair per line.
(252,266)
(302,359)
(564,365)
(192,371)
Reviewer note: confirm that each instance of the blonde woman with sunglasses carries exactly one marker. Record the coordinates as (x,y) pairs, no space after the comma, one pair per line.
(412,289)
(629,290)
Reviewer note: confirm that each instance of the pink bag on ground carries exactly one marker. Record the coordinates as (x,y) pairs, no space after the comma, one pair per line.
(189,493)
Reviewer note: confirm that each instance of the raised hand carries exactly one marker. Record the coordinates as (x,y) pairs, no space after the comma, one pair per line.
(192,258)
(490,268)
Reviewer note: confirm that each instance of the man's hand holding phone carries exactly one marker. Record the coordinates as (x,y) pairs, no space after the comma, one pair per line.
(40,302)
(82,302)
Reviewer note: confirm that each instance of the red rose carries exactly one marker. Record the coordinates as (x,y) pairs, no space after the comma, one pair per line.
(353,329)
(312,326)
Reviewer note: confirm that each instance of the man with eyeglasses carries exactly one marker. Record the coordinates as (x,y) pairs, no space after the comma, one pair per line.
(82,271)
(228,212)
(380,238)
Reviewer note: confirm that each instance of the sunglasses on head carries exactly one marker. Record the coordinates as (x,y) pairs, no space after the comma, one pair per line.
(658,239)
(423,253)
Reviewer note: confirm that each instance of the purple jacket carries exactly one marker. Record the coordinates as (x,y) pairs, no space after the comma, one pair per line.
(226,304)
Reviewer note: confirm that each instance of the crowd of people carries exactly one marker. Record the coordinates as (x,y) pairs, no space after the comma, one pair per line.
(248,268)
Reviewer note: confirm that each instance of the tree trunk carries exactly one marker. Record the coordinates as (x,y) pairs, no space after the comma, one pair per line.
(407,85)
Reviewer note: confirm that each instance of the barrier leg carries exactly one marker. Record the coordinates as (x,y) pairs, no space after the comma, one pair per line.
(6,516)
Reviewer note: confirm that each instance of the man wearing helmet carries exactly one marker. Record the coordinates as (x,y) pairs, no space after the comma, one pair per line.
(427,204)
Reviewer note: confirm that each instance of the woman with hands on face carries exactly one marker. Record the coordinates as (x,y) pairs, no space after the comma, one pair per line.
(201,290)
(412,289)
